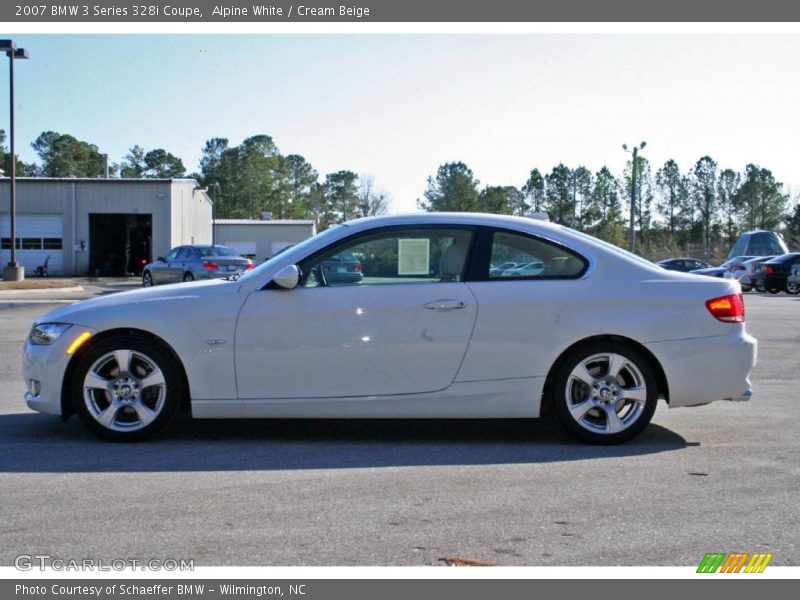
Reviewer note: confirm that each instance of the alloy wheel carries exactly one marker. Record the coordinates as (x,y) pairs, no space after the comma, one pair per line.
(124,390)
(606,393)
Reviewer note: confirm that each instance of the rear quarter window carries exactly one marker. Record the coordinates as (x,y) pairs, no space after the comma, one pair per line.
(532,257)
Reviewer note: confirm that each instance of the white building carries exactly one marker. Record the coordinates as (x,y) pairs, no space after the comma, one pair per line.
(101,226)
(260,240)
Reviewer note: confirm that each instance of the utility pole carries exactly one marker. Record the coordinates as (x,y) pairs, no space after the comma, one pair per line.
(13,271)
(634,174)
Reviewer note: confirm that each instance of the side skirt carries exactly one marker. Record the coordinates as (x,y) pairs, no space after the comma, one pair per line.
(505,398)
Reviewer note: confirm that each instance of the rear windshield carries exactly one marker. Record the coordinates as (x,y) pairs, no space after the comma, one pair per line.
(217,251)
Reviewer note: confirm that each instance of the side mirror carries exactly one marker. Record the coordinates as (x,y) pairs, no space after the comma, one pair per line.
(161,259)
(288,277)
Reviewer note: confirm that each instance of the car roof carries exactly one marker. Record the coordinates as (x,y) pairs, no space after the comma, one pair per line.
(451,218)
(784,257)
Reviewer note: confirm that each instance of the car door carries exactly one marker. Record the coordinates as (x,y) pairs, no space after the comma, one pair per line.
(187,262)
(401,327)
(177,266)
(159,270)
(522,318)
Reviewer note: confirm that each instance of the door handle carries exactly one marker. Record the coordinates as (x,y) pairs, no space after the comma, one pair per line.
(445,305)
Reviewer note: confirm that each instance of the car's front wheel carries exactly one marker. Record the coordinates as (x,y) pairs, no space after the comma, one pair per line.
(126,388)
(604,393)
(793,288)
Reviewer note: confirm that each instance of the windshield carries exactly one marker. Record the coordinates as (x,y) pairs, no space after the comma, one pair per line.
(297,248)
(216,251)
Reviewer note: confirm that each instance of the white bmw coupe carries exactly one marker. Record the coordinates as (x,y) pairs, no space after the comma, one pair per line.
(426,331)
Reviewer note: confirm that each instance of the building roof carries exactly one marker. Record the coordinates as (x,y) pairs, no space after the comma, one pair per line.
(264,222)
(99,180)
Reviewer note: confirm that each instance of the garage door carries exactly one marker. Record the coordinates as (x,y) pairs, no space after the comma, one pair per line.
(38,236)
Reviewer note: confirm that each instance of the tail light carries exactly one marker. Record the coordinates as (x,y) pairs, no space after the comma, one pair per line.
(210,266)
(728,309)
(769,270)
(358,268)
(143,261)
(249,266)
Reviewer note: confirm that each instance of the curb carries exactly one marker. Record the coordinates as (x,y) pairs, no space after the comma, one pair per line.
(75,288)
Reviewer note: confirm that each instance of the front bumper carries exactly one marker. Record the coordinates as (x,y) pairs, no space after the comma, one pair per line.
(703,370)
(46,365)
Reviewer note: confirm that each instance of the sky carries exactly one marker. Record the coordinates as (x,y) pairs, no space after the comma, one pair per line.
(398,106)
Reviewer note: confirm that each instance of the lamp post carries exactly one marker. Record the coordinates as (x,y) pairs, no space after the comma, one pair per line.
(214,186)
(634,172)
(13,271)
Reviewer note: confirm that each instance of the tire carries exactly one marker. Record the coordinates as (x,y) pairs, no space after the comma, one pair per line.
(774,290)
(117,402)
(760,288)
(147,279)
(793,288)
(584,395)
(188,277)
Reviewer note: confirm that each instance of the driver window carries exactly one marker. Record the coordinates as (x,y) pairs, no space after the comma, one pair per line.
(392,257)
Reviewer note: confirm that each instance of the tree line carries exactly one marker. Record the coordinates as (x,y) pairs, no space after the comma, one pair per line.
(244,181)
(704,207)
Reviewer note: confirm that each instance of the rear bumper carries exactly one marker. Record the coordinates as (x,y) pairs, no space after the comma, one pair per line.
(214,274)
(775,282)
(703,370)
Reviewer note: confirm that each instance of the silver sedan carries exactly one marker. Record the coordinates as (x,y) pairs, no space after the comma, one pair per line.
(188,263)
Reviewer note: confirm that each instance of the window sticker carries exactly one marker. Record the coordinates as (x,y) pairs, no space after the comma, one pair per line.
(413,257)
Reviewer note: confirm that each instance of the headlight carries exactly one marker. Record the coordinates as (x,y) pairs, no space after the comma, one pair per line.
(45,334)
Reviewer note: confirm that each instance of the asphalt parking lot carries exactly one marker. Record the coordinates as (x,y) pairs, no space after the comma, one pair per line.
(724,477)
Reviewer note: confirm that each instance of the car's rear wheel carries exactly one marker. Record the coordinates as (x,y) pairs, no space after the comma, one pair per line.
(604,393)
(147,279)
(188,277)
(126,388)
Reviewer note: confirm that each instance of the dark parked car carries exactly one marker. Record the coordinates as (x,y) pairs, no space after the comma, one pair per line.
(683,264)
(774,274)
(187,263)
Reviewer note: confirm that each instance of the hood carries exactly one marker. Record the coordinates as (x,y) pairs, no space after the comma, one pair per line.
(80,312)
